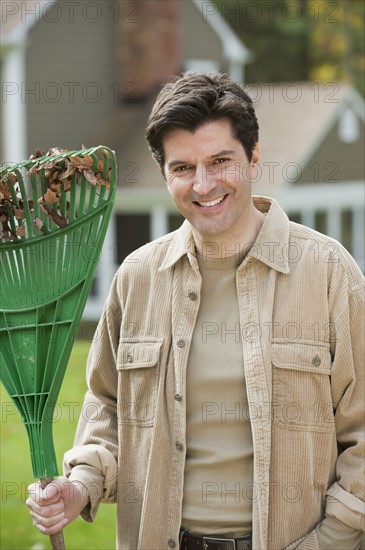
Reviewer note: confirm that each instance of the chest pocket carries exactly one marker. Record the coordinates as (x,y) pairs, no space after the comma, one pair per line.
(138,373)
(301,387)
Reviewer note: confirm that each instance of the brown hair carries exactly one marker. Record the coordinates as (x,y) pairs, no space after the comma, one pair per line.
(194,99)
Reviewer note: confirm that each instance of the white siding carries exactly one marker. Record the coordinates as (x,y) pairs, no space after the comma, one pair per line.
(198,40)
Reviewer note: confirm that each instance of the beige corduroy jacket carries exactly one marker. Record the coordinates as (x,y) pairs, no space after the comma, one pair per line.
(301,306)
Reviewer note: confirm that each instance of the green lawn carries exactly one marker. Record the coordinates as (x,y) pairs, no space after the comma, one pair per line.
(16,528)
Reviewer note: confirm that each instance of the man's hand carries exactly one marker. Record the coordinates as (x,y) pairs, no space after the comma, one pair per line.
(57,505)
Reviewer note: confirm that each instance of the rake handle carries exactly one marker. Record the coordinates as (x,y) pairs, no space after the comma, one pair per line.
(57,542)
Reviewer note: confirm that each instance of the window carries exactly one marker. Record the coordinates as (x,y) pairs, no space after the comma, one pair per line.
(133,231)
(201,65)
(175,221)
(348,127)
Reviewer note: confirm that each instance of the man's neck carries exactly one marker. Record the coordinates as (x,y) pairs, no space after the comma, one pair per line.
(221,247)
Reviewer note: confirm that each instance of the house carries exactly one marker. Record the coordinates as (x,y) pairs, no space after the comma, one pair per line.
(312,156)
(87,73)
(312,162)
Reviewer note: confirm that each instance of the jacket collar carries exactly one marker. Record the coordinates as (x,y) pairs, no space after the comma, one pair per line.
(271,246)
(182,244)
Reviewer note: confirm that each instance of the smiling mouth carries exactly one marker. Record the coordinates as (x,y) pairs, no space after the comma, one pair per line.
(211,203)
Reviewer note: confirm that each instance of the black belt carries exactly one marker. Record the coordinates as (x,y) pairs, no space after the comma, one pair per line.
(189,541)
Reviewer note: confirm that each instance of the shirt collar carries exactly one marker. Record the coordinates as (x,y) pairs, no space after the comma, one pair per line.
(271,246)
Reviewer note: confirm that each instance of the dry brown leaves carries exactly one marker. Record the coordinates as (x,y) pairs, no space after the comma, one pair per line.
(59,174)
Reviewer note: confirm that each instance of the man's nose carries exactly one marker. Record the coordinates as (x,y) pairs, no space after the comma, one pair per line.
(204,180)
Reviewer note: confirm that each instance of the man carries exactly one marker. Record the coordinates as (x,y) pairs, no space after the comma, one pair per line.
(226,378)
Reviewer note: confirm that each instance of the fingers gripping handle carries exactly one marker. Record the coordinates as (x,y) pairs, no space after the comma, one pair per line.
(57,541)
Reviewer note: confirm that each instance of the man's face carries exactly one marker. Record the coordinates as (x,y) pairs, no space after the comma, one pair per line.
(209,178)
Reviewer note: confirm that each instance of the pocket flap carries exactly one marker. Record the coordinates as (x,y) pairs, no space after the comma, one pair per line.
(137,353)
(303,357)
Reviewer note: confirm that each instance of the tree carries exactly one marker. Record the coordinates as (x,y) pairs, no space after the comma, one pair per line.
(300,39)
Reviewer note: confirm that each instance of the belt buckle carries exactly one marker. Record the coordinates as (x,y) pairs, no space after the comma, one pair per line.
(218,539)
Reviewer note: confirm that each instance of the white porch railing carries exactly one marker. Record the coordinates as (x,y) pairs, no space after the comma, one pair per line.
(330,201)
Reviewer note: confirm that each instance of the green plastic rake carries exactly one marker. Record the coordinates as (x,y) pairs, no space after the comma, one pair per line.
(54,213)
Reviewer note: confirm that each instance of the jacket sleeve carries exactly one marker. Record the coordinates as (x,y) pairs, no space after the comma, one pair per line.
(333,534)
(345,498)
(93,459)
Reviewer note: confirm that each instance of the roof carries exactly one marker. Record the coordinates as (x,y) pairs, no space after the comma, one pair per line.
(233,47)
(294,119)
(290,131)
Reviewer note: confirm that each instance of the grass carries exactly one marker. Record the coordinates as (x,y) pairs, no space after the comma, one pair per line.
(16,528)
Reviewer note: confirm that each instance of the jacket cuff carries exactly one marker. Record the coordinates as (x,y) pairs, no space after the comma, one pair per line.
(345,507)
(333,533)
(92,483)
(96,468)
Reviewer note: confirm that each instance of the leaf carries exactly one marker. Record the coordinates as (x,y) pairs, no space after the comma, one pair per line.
(18,213)
(102,181)
(39,223)
(95,179)
(66,184)
(90,176)
(69,172)
(5,193)
(57,175)
(55,151)
(48,164)
(49,197)
(36,155)
(20,230)
(10,178)
(7,234)
(59,220)
(81,162)
(56,187)
(4,235)
(43,209)
(61,170)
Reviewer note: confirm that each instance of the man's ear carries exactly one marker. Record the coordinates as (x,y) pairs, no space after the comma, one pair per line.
(254,163)
(256,154)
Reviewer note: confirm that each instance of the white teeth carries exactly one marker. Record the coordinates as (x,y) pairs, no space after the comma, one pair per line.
(211,203)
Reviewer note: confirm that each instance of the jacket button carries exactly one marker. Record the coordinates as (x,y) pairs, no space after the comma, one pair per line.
(179,446)
(181,343)
(178,397)
(192,296)
(316,361)
(130,358)
(171,543)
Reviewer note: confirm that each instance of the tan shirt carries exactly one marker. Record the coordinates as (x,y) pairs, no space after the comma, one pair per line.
(218,477)
(300,297)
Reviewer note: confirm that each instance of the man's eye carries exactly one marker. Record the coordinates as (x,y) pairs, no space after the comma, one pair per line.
(221,160)
(181,168)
